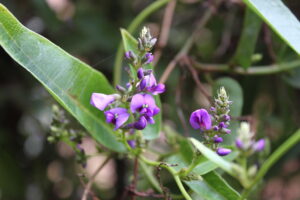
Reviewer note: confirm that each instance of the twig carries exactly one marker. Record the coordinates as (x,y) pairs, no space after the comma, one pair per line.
(164,34)
(254,70)
(194,73)
(135,176)
(189,43)
(178,103)
(92,179)
(226,36)
(268,42)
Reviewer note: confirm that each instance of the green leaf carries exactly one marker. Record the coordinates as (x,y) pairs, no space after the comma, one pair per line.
(215,181)
(280,19)
(70,81)
(131,44)
(213,157)
(247,42)
(203,191)
(205,166)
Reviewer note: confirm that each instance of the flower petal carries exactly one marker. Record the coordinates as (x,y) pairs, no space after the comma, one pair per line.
(223,151)
(101,101)
(137,102)
(141,123)
(121,119)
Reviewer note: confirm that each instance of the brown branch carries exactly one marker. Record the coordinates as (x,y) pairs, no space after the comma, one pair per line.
(268,42)
(135,177)
(164,34)
(178,103)
(92,179)
(195,76)
(189,43)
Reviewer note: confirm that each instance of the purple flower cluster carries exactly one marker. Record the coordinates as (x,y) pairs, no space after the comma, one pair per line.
(134,107)
(245,141)
(216,123)
(202,120)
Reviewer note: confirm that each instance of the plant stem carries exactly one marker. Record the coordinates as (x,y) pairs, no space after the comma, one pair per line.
(280,151)
(172,172)
(255,70)
(131,28)
(92,179)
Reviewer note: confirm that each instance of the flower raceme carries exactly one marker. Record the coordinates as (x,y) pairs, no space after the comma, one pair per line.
(134,107)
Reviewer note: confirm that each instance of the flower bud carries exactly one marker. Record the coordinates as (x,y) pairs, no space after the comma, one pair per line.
(218,139)
(223,151)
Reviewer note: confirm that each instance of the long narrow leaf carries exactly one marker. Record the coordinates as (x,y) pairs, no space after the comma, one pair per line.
(70,81)
(279,18)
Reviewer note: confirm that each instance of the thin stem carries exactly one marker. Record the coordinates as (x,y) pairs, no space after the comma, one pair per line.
(165,29)
(131,28)
(92,179)
(189,43)
(173,173)
(255,70)
(135,175)
(280,151)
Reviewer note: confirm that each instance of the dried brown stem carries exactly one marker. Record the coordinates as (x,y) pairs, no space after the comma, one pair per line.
(92,179)
(164,34)
(189,43)
(135,176)
(195,76)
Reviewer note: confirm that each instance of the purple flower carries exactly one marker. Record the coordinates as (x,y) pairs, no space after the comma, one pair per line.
(259,145)
(216,128)
(148,83)
(226,117)
(148,58)
(145,105)
(218,139)
(200,119)
(222,125)
(101,101)
(141,123)
(140,73)
(239,144)
(131,143)
(116,116)
(223,151)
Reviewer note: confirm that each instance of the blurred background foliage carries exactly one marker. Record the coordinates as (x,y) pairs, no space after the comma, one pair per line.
(33,169)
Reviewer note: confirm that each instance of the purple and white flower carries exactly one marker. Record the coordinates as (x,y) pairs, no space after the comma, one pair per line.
(117,116)
(149,84)
(144,104)
(200,119)
(101,101)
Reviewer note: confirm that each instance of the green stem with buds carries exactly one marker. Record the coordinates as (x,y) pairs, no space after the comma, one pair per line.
(280,151)
(131,28)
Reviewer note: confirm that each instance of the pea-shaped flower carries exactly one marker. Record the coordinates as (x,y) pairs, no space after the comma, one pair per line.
(200,119)
(145,105)
(148,83)
(101,101)
(116,116)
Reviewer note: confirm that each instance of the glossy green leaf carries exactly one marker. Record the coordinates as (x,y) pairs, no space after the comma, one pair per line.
(203,191)
(213,157)
(131,44)
(279,18)
(215,181)
(247,42)
(70,81)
